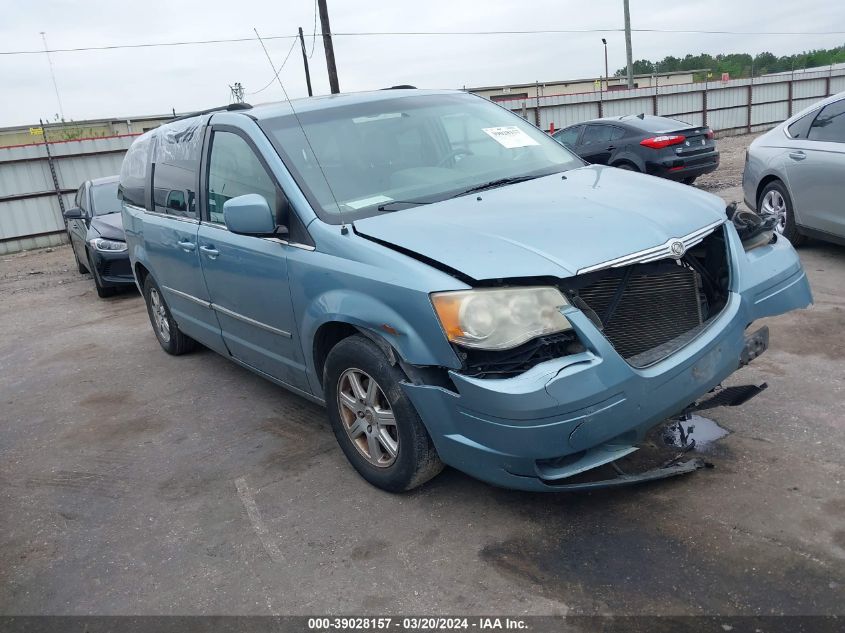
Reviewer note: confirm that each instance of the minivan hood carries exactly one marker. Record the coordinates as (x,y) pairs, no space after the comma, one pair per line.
(109,226)
(551,226)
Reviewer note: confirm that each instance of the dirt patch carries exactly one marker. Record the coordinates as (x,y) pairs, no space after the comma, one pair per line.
(816,326)
(369,549)
(835,507)
(115,430)
(111,398)
(630,566)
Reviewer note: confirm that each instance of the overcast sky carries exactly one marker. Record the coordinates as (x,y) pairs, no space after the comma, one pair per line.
(126,83)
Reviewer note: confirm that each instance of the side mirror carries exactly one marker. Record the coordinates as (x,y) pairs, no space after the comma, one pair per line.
(249,215)
(74,213)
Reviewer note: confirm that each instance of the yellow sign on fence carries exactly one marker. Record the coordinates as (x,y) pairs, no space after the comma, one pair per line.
(36,131)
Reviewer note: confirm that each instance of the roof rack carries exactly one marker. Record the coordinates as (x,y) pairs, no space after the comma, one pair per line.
(232,107)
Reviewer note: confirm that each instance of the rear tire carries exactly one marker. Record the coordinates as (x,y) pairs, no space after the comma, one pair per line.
(690,180)
(169,336)
(775,200)
(375,423)
(102,291)
(626,166)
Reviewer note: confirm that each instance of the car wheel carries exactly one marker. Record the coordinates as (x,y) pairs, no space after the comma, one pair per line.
(374,422)
(79,267)
(626,166)
(102,291)
(169,336)
(776,201)
(689,181)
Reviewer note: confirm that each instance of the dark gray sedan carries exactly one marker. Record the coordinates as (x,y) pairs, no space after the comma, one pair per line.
(95,229)
(795,173)
(655,145)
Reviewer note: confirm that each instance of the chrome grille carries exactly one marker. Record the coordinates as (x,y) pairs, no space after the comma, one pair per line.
(653,309)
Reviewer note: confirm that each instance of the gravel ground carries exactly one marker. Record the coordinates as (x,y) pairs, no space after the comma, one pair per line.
(727,180)
(136,483)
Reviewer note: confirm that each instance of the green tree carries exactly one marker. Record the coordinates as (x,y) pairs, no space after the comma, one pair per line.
(740,64)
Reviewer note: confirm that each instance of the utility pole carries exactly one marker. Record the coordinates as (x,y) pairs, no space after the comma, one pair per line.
(327,45)
(628,53)
(305,61)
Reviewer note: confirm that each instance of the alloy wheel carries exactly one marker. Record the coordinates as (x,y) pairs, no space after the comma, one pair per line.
(367,417)
(160,315)
(775,205)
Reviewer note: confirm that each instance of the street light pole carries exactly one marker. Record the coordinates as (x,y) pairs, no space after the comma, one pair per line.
(628,53)
(606,75)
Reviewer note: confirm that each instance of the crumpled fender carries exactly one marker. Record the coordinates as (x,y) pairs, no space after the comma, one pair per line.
(371,313)
(769,278)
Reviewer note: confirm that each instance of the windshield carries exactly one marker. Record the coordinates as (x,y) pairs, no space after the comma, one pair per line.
(402,152)
(105,198)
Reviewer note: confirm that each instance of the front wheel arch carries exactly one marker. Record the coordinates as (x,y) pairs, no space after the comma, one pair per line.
(764,182)
(790,230)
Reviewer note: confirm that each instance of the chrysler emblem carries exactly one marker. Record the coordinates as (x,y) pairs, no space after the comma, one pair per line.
(677,249)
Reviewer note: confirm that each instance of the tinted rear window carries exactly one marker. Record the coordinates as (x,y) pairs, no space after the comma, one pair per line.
(133,171)
(569,136)
(656,124)
(799,128)
(177,158)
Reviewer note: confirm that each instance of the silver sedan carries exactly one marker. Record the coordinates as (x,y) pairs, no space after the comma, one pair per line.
(796,172)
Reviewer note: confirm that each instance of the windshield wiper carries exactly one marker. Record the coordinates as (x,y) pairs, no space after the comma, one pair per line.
(384,207)
(499,182)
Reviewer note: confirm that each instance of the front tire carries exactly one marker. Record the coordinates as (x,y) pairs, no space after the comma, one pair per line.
(375,423)
(775,201)
(79,267)
(102,291)
(169,336)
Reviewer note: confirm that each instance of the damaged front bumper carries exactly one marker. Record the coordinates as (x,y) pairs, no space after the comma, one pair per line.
(569,415)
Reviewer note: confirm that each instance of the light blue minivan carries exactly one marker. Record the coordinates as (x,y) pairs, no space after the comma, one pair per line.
(452,284)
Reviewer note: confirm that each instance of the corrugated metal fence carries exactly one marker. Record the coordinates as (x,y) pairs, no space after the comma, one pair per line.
(29,206)
(738,106)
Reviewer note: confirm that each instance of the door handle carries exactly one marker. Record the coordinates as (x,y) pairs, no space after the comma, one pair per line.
(187,246)
(799,155)
(210,251)
(610,148)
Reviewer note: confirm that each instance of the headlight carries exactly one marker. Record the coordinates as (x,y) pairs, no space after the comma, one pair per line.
(108,246)
(500,318)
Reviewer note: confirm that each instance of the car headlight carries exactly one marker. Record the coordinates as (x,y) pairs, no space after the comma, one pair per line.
(108,246)
(500,318)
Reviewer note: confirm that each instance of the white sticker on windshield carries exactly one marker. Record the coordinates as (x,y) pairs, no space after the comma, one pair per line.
(367,202)
(509,136)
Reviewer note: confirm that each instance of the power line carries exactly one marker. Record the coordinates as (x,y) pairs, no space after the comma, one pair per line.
(147,45)
(314,34)
(285,61)
(415,33)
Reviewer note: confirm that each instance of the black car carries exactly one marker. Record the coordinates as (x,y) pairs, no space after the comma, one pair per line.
(654,145)
(95,229)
